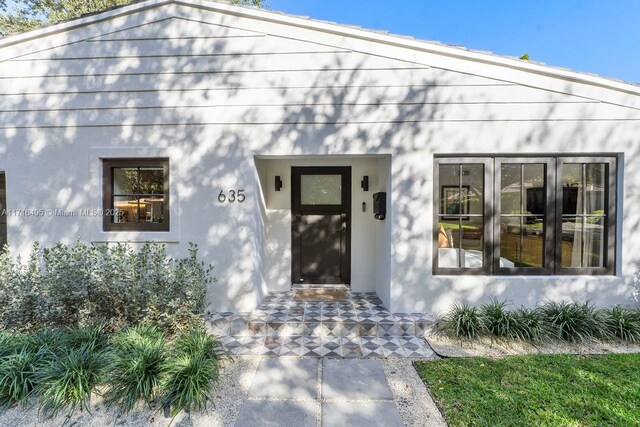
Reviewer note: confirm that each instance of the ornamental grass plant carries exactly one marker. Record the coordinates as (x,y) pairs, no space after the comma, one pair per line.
(570,321)
(138,362)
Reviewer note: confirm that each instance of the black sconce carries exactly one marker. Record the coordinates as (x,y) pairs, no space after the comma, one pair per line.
(278,183)
(364,184)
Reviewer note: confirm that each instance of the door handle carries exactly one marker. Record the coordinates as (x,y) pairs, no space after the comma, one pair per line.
(344,227)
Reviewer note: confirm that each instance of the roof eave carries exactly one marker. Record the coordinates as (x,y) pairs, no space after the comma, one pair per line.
(337,29)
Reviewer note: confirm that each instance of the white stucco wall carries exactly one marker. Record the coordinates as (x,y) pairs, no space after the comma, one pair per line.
(250,97)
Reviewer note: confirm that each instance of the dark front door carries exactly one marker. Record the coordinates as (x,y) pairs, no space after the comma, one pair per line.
(321,225)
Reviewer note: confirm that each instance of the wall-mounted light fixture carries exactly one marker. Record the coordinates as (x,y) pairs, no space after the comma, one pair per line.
(364,184)
(278,183)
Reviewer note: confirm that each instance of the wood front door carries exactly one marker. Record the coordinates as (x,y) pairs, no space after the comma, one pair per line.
(321,225)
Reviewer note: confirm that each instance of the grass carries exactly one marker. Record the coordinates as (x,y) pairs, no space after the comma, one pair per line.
(136,368)
(139,366)
(556,390)
(463,321)
(192,371)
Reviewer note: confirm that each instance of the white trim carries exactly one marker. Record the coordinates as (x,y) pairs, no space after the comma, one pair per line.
(339,30)
(96,233)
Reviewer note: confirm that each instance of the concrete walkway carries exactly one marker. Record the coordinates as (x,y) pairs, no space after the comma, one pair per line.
(323,392)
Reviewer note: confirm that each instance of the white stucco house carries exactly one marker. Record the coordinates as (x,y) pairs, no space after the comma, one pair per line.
(298,153)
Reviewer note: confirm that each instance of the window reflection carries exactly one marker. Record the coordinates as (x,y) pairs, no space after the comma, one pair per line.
(461,216)
(584,215)
(138,195)
(522,214)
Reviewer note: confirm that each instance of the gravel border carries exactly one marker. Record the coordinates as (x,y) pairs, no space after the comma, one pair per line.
(413,400)
(229,395)
(484,347)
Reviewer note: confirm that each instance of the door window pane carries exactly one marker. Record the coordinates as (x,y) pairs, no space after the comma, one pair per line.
(321,189)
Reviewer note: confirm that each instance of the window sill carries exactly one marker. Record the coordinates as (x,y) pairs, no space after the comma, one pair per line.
(136,237)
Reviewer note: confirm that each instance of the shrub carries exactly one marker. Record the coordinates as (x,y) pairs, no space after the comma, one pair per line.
(573,321)
(623,323)
(92,337)
(529,324)
(80,285)
(192,371)
(462,321)
(67,381)
(22,296)
(136,368)
(17,376)
(498,321)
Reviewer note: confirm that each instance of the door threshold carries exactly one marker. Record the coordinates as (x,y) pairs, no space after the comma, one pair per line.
(320,287)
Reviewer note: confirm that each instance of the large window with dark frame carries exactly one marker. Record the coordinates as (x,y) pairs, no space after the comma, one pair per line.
(136,194)
(525,215)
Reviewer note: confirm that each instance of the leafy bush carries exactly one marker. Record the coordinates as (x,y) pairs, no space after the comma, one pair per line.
(623,323)
(573,321)
(192,371)
(138,363)
(462,321)
(81,284)
(21,292)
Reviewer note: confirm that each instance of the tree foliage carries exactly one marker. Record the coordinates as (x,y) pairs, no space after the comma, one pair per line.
(24,15)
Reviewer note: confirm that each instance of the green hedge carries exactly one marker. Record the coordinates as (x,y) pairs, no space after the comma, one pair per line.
(111,285)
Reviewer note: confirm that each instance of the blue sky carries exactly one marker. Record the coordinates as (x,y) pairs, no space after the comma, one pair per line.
(596,36)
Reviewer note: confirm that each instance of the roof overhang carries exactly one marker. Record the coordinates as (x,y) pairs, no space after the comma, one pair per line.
(480,58)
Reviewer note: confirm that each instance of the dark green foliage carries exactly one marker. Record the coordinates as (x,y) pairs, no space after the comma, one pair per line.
(138,363)
(67,381)
(623,323)
(573,321)
(92,337)
(63,367)
(498,321)
(462,321)
(191,372)
(529,324)
(17,376)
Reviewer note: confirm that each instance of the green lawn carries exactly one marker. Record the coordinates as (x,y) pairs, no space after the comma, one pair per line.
(558,390)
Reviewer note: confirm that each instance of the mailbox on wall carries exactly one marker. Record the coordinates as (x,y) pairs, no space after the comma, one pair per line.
(380,205)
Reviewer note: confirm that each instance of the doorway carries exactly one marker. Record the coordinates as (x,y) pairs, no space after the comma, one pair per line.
(321,225)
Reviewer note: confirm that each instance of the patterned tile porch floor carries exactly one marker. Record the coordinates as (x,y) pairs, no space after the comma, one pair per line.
(358,327)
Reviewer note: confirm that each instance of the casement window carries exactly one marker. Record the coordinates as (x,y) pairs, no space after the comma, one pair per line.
(136,194)
(529,215)
(3,211)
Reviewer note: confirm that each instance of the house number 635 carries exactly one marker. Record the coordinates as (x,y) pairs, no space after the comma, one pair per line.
(234,195)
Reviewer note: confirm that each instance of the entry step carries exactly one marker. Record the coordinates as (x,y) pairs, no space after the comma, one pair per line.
(361,314)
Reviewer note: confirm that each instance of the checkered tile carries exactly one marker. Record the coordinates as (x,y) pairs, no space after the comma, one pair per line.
(358,327)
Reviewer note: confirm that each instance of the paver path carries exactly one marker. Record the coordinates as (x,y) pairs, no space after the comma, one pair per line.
(319,392)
